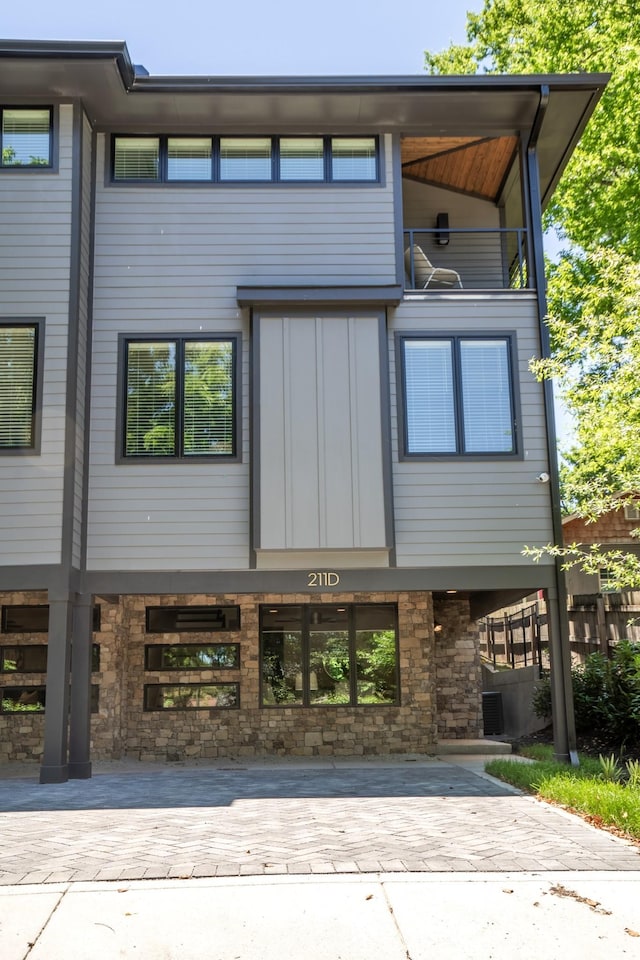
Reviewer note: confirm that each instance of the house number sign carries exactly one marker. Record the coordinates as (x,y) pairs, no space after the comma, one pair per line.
(323,578)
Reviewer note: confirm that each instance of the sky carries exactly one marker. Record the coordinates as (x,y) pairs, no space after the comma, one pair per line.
(253,37)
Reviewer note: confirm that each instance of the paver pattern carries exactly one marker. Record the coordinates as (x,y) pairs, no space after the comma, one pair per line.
(206,822)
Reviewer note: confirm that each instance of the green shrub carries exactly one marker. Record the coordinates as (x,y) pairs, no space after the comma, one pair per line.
(606,694)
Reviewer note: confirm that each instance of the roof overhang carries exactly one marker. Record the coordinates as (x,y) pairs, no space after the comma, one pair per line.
(117,96)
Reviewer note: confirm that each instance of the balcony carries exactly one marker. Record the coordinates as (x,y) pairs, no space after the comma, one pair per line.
(465,258)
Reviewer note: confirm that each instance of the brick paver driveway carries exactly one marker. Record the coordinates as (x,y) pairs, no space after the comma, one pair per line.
(373,816)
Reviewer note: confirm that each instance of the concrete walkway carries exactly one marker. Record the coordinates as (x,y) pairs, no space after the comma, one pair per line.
(385,917)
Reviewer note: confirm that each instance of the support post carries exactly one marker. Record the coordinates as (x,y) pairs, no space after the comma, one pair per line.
(80,720)
(564,726)
(54,766)
(601,624)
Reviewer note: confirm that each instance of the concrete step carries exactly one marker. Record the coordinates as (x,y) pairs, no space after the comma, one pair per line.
(484,747)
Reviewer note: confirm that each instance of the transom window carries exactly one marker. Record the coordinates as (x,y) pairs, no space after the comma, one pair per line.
(458,395)
(192,656)
(18,385)
(33,699)
(191,696)
(34,618)
(25,137)
(192,619)
(32,658)
(180,398)
(329,655)
(163,159)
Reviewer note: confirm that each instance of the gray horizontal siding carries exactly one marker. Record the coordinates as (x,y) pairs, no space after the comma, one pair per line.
(154,516)
(168,259)
(460,511)
(35,214)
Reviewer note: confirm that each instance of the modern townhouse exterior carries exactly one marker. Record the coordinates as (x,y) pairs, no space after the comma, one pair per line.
(269,442)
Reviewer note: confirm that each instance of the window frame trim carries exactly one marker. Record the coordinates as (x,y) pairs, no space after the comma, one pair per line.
(275,180)
(174,669)
(305,624)
(121,406)
(510,336)
(38,380)
(52,165)
(194,683)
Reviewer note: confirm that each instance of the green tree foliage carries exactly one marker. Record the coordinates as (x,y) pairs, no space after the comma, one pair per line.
(594,290)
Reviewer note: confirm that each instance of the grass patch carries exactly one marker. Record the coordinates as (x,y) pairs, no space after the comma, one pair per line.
(536,751)
(583,789)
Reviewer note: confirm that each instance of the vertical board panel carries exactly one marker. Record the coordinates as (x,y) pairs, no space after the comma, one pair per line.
(321,448)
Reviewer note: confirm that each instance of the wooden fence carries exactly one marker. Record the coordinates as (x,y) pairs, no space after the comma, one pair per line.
(596,622)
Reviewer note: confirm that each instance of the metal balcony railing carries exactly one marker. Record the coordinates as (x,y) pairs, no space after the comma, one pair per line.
(466,258)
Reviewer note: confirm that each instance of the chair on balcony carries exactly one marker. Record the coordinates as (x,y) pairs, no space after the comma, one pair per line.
(425,274)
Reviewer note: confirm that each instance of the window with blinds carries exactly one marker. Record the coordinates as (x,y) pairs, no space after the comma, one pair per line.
(302,158)
(353,158)
(25,135)
(180,398)
(136,158)
(18,381)
(245,158)
(238,159)
(189,158)
(458,395)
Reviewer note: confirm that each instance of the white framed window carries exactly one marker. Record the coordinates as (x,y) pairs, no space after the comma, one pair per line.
(606,581)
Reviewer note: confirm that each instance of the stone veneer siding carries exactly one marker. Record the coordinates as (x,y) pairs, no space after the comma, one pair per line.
(21,734)
(458,671)
(439,688)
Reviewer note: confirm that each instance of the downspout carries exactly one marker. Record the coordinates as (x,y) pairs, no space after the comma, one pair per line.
(564,728)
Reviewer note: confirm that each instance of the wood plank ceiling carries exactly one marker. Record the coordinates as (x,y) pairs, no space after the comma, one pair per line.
(472,165)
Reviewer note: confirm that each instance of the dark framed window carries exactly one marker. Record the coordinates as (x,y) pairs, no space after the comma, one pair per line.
(189,158)
(202,619)
(25,618)
(33,699)
(191,696)
(246,158)
(24,659)
(302,159)
(180,398)
(26,137)
(192,656)
(329,655)
(354,158)
(250,159)
(19,385)
(136,158)
(32,658)
(34,618)
(458,395)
